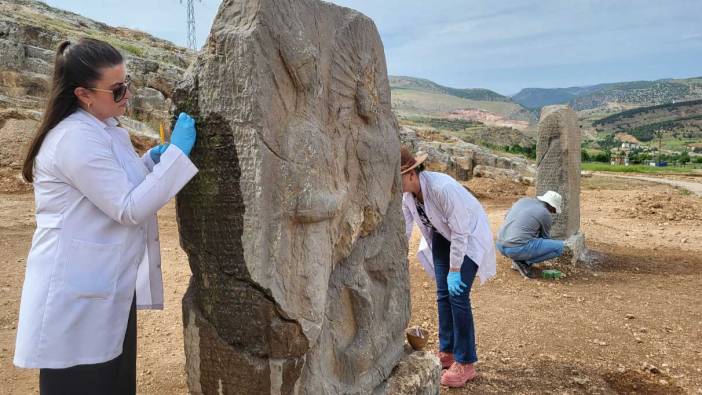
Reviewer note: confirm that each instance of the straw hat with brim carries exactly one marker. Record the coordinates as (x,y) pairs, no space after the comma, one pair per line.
(409,162)
(553,199)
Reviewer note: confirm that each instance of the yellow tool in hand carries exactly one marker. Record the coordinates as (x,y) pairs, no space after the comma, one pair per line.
(163,134)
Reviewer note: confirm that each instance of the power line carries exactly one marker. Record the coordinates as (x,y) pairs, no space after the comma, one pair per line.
(190,5)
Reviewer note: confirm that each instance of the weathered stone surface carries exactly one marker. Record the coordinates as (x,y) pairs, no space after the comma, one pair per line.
(39,53)
(419,373)
(558,165)
(459,159)
(500,173)
(12,55)
(293,227)
(149,106)
(14,136)
(575,249)
(17,129)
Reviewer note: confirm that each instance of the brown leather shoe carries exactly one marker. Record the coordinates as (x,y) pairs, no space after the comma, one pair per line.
(446,359)
(458,375)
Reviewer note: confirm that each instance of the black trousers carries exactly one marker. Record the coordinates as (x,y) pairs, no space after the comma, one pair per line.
(115,377)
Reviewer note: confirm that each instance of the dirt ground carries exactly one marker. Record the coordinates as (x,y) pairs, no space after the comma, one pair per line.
(630,323)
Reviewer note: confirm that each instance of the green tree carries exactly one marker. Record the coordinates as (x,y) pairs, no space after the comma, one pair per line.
(659,135)
(584,156)
(605,157)
(684,158)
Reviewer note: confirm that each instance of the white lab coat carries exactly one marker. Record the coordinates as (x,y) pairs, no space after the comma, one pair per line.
(96,242)
(458,217)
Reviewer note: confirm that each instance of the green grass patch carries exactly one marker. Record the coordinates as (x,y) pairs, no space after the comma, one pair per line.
(675,144)
(133,49)
(591,166)
(593,151)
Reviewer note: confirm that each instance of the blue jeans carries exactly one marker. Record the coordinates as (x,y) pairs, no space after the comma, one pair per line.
(456,329)
(534,251)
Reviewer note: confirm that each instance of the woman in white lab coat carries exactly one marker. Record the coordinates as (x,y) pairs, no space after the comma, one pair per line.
(95,253)
(456,246)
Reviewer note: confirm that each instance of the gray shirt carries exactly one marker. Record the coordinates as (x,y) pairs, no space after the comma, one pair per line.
(528,219)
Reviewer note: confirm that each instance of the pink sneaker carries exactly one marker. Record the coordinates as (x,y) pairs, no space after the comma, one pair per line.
(458,375)
(446,359)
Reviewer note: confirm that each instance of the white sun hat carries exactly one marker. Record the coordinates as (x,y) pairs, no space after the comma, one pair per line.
(553,199)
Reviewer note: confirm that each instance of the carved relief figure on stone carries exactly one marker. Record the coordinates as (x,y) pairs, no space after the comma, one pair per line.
(456,247)
(293,227)
(95,254)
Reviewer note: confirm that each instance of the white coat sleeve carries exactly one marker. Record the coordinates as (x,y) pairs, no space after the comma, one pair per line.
(148,162)
(409,219)
(451,203)
(86,160)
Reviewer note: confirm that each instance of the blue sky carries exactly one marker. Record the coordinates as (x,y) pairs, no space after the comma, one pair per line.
(503,45)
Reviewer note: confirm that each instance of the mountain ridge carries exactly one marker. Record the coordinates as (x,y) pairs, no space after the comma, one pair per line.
(407,82)
(641,93)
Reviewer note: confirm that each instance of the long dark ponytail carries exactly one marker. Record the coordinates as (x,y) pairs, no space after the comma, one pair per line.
(76,64)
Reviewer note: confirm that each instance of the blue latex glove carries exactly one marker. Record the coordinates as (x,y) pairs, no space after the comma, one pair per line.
(455,285)
(183,135)
(157,151)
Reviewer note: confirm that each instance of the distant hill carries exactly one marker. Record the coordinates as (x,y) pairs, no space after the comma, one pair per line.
(682,121)
(402,82)
(540,97)
(421,97)
(625,94)
(641,93)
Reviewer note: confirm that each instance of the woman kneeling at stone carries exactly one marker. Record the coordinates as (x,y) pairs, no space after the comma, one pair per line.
(456,245)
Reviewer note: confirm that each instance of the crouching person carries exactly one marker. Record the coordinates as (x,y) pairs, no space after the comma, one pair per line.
(525,235)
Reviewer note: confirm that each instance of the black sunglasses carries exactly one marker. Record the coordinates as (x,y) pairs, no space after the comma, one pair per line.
(119,92)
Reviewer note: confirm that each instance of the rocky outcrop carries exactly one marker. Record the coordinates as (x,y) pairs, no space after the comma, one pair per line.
(499,173)
(463,160)
(30,31)
(293,227)
(16,129)
(419,373)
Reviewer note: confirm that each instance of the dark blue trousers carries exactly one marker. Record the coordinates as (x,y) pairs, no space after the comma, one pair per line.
(456,329)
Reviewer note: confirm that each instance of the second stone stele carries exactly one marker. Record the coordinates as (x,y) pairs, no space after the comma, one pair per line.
(558,169)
